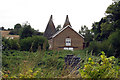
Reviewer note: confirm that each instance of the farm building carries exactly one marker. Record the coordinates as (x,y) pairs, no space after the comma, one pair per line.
(65,39)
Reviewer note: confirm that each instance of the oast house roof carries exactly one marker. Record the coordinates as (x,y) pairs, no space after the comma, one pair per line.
(67,22)
(50,29)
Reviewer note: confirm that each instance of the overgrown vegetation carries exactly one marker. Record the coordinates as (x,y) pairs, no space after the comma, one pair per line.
(26,44)
(104,34)
(50,64)
(96,69)
(24,31)
(29,57)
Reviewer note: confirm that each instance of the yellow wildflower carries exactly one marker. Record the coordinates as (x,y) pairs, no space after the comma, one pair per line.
(90,59)
(85,66)
(92,62)
(30,71)
(102,56)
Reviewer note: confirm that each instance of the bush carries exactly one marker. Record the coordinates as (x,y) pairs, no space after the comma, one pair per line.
(12,44)
(115,42)
(32,43)
(98,46)
(26,44)
(107,68)
(110,46)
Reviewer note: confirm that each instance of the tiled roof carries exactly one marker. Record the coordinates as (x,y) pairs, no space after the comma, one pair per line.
(50,29)
(67,22)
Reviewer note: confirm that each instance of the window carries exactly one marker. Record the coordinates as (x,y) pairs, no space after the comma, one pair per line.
(68,41)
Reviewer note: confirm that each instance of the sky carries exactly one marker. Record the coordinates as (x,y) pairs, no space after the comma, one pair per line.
(37,12)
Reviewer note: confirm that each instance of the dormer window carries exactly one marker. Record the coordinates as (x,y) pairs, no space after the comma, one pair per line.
(68,41)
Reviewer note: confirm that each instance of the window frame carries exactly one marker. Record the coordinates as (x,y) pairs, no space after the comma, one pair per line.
(68,41)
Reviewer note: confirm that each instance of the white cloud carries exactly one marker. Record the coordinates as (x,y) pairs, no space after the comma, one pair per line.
(37,12)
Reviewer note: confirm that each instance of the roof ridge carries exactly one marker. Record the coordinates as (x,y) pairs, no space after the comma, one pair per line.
(64,29)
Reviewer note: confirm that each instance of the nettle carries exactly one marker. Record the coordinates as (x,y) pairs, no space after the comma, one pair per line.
(105,68)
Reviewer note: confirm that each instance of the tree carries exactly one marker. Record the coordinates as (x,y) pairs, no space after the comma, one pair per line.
(107,30)
(36,32)
(26,31)
(87,35)
(113,11)
(2,28)
(58,28)
(16,30)
(115,42)
(17,26)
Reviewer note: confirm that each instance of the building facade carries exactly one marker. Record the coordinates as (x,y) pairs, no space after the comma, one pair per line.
(66,38)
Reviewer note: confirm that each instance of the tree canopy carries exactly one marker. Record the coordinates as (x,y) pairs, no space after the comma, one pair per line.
(107,30)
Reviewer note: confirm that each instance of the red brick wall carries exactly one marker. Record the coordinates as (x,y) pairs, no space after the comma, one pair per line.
(58,42)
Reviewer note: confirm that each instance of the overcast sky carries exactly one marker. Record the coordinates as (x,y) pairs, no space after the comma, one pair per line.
(37,12)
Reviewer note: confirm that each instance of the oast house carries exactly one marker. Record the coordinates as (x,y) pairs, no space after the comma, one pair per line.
(65,39)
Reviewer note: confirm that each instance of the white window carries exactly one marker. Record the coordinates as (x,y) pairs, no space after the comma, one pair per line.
(68,41)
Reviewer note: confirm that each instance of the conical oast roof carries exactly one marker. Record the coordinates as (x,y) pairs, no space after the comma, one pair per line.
(67,22)
(50,29)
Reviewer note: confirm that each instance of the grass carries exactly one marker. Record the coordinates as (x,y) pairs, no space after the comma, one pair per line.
(47,64)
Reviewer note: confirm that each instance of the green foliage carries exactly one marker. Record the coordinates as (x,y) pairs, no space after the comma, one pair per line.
(98,46)
(113,11)
(17,26)
(21,30)
(107,68)
(26,44)
(32,43)
(58,27)
(50,64)
(12,44)
(36,32)
(115,42)
(16,30)
(106,32)
(106,29)
(109,46)
(88,37)
(27,31)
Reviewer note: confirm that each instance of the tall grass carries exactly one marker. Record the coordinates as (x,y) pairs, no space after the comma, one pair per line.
(43,64)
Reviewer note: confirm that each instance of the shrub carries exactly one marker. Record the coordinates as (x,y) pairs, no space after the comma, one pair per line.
(115,42)
(107,68)
(98,46)
(94,47)
(32,43)
(12,44)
